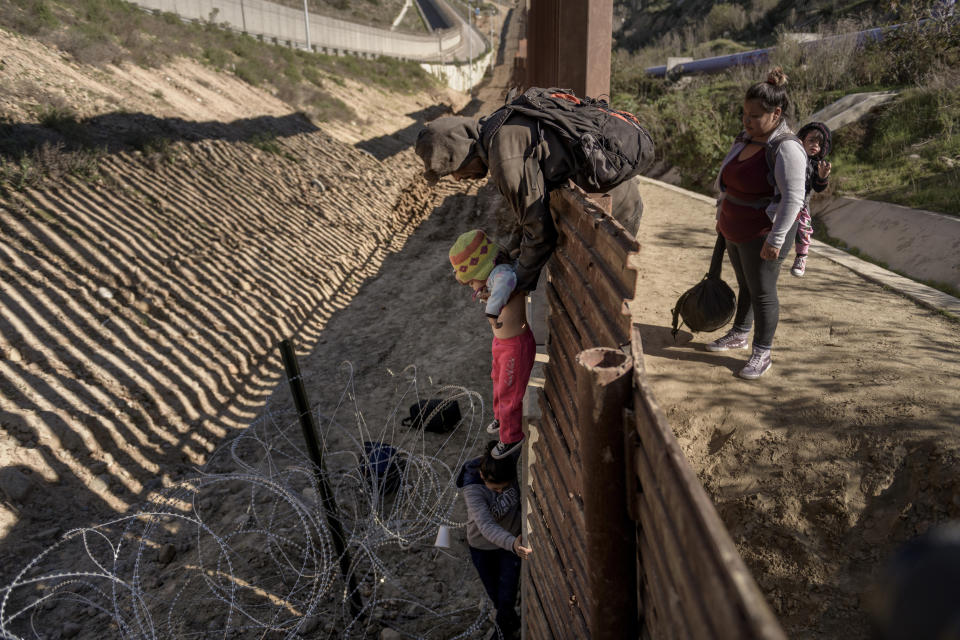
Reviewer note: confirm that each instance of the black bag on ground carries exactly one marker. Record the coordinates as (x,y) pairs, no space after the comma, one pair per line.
(441,416)
(710,303)
(610,145)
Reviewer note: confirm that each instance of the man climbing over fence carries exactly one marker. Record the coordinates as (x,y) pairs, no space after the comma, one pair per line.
(531,146)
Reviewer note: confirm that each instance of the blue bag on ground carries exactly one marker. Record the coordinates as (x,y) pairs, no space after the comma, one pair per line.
(384,464)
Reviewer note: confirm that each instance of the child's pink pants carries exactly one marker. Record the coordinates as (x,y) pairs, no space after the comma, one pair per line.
(512,363)
(804,231)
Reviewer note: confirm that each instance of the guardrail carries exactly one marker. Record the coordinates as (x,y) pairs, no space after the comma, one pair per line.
(285,25)
(627,541)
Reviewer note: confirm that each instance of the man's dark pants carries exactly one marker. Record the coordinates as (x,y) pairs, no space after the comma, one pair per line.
(500,573)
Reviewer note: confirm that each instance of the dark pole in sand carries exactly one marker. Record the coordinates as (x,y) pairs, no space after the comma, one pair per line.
(323,489)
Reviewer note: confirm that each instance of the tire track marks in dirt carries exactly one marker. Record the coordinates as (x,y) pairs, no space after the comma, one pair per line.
(139,315)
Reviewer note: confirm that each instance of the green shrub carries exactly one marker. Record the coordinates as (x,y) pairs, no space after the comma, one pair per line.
(251,72)
(908,54)
(629,78)
(216,57)
(725,18)
(292,73)
(58,117)
(29,17)
(313,75)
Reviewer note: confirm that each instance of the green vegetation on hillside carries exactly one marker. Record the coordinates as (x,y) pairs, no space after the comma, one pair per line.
(907,152)
(101,32)
(667,22)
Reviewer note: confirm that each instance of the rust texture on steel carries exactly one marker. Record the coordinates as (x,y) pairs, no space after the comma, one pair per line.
(694,581)
(570,44)
(603,390)
(685,578)
(586,284)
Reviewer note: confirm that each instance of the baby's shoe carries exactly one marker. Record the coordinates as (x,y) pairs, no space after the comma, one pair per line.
(799,266)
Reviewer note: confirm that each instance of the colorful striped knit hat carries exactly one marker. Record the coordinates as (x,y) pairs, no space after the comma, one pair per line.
(473,256)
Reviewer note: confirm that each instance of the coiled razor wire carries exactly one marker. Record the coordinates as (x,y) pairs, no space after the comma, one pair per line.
(243,550)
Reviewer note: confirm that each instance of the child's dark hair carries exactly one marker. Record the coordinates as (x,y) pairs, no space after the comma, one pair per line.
(502,257)
(817,136)
(493,470)
(772,92)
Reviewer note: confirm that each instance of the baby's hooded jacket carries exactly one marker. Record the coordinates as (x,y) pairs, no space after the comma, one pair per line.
(813,180)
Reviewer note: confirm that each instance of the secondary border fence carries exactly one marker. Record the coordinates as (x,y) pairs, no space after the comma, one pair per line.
(628,544)
(286,25)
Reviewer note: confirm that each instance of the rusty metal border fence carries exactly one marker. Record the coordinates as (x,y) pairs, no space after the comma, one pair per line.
(627,542)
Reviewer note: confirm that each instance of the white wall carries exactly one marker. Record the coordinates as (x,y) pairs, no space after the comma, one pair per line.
(327,35)
(463,76)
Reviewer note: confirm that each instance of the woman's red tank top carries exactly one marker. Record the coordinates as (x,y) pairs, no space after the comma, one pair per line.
(745,180)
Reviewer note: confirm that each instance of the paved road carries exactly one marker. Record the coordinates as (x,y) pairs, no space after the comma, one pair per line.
(435,16)
(473,43)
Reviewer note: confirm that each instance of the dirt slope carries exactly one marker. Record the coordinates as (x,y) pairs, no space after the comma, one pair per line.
(846,448)
(140,310)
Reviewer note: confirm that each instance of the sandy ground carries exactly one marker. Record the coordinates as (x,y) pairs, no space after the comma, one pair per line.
(846,448)
(141,310)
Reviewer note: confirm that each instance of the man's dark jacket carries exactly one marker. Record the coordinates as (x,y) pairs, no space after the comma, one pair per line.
(525,161)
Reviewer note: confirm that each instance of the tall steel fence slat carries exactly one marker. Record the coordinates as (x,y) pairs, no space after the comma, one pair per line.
(690,580)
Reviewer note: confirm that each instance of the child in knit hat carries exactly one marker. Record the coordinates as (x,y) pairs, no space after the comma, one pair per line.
(479,263)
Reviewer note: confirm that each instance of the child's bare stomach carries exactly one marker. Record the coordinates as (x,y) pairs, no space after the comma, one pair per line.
(513,319)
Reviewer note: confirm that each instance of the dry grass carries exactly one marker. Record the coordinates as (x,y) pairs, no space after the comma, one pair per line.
(100,32)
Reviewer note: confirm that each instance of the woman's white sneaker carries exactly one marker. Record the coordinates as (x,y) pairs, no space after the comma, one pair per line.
(732,340)
(758,364)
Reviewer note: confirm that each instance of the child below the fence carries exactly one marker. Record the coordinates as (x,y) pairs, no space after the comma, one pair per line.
(492,495)
(815,137)
(481,264)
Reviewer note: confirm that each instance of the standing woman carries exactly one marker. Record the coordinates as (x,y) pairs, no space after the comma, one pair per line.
(762,189)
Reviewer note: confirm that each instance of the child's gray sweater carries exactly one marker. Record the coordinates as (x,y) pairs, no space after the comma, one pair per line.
(493,518)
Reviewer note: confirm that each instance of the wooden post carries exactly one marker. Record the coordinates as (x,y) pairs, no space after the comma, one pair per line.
(603,389)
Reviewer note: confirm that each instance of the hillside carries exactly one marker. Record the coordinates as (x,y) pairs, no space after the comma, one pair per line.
(163,228)
(639,24)
(906,151)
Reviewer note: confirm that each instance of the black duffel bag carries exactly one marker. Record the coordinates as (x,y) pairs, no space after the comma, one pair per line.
(436,415)
(710,303)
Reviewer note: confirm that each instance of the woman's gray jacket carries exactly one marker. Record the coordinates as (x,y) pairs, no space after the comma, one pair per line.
(790,176)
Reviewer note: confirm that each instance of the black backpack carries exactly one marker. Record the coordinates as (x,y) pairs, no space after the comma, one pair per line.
(438,416)
(710,303)
(608,145)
